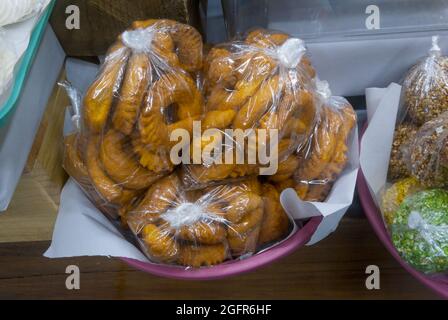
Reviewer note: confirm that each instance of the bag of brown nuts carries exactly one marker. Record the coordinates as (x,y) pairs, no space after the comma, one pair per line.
(425,87)
(424,98)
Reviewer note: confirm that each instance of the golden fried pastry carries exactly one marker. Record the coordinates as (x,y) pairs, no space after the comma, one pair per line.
(186,124)
(73,162)
(318,192)
(197,221)
(250,220)
(218,119)
(104,185)
(160,244)
(254,73)
(219,67)
(285,184)
(135,83)
(265,39)
(120,164)
(325,141)
(159,197)
(244,170)
(156,160)
(187,41)
(108,188)
(99,97)
(327,155)
(203,174)
(203,233)
(257,105)
(241,244)
(124,211)
(204,255)
(286,169)
(163,51)
(170,89)
(242,203)
(275,223)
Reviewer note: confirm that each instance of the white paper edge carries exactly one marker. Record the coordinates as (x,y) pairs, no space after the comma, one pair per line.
(376,143)
(337,203)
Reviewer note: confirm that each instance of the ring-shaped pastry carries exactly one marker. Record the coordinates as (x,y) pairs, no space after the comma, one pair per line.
(120,164)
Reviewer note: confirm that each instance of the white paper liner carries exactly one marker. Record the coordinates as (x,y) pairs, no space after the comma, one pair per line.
(376,143)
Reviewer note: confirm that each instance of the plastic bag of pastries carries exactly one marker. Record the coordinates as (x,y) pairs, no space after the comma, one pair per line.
(206,227)
(264,83)
(145,88)
(75,165)
(313,169)
(425,87)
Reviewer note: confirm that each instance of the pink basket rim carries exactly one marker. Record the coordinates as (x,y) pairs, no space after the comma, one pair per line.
(232,268)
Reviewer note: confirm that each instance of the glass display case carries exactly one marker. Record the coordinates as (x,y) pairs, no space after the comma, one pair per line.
(373,41)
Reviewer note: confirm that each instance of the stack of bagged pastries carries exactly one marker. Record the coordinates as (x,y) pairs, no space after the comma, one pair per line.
(156,79)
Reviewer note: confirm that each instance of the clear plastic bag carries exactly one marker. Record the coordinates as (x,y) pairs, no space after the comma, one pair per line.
(413,203)
(256,86)
(145,89)
(427,153)
(425,87)
(419,230)
(424,98)
(207,227)
(318,163)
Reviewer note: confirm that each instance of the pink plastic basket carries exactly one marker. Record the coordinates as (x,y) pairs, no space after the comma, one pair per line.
(437,283)
(231,268)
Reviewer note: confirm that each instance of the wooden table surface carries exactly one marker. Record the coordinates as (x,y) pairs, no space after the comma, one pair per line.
(332,269)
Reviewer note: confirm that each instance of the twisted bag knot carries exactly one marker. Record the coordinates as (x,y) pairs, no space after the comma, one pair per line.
(435,49)
(291,52)
(323,88)
(139,40)
(187,214)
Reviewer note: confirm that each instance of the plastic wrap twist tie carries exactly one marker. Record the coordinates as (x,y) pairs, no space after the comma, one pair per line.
(435,49)
(189,213)
(139,40)
(323,88)
(291,52)
(75,99)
